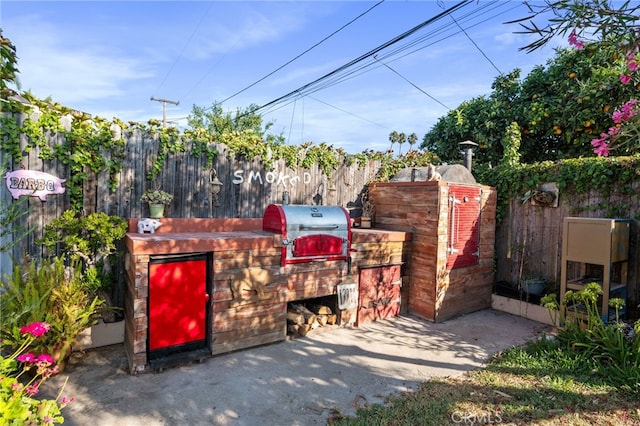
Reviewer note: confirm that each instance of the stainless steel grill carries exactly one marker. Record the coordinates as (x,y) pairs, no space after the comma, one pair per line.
(310,233)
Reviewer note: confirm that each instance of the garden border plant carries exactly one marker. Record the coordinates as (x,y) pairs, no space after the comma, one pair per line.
(612,348)
(21,375)
(47,291)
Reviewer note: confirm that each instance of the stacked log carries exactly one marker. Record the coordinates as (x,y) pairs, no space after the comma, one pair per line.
(301,319)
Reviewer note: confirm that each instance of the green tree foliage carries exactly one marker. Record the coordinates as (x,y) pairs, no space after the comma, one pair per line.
(482,120)
(604,20)
(8,66)
(559,107)
(221,125)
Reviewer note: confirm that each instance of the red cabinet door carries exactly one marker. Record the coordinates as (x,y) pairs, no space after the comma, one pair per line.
(378,293)
(177,303)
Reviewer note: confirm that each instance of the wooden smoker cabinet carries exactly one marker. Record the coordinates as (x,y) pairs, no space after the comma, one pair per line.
(600,245)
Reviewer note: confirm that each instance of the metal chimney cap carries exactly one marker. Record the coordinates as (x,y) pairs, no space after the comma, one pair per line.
(468,144)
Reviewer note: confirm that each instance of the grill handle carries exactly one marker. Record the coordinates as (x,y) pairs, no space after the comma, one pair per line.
(318,227)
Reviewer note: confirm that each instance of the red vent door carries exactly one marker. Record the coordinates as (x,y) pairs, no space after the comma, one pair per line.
(178,304)
(463,242)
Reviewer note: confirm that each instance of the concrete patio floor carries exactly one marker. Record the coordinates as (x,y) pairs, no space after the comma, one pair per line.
(296,382)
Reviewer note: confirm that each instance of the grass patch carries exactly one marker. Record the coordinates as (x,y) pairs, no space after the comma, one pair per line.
(540,383)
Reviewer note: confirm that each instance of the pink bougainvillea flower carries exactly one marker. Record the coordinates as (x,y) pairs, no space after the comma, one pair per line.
(625,79)
(47,359)
(575,42)
(618,116)
(35,329)
(630,107)
(28,357)
(47,419)
(613,130)
(31,390)
(632,63)
(600,147)
(625,112)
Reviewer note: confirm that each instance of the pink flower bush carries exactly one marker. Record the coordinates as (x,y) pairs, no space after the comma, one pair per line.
(600,147)
(625,125)
(36,329)
(625,112)
(28,357)
(17,402)
(632,62)
(575,42)
(45,359)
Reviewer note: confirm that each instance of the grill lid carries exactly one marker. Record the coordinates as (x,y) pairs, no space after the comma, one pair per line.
(309,233)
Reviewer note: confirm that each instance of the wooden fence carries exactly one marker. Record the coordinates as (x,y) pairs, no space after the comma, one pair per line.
(528,240)
(248,187)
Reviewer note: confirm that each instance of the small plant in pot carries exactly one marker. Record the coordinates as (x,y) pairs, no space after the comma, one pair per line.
(533,285)
(157,200)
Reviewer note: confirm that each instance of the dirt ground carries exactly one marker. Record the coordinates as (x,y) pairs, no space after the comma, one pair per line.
(296,382)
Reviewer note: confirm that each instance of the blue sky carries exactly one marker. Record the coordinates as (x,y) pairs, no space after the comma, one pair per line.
(108,58)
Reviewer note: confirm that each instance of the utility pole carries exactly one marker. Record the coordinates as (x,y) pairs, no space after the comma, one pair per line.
(164,108)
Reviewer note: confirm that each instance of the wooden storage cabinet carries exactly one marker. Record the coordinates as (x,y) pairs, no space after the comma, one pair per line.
(595,250)
(379,293)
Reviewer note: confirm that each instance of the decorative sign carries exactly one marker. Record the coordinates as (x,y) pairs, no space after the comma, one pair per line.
(272,177)
(34,184)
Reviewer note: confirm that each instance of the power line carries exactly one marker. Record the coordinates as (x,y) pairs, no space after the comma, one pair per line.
(348,71)
(366,55)
(478,12)
(303,53)
(193,33)
(347,112)
(407,80)
(476,45)
(238,40)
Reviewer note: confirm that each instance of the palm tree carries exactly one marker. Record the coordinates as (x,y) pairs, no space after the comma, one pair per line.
(393,138)
(413,138)
(402,138)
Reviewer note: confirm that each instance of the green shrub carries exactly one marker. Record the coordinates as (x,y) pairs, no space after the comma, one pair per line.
(47,292)
(613,345)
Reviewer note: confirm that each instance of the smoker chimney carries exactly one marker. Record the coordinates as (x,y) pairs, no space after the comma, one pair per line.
(467,153)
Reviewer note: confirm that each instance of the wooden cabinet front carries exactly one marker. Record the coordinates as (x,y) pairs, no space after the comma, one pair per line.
(379,293)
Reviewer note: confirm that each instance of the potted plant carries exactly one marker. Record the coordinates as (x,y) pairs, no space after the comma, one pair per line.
(157,199)
(368,211)
(533,285)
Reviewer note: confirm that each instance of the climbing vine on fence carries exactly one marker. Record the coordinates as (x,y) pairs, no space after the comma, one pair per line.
(96,145)
(573,176)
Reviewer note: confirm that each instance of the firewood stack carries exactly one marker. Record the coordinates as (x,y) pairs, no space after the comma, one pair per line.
(301,319)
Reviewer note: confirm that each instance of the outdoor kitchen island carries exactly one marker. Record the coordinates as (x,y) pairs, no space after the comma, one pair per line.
(202,287)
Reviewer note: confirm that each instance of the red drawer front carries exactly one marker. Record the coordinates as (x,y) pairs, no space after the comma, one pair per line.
(317,245)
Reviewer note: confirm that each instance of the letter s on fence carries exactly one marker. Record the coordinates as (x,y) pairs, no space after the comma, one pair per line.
(238,177)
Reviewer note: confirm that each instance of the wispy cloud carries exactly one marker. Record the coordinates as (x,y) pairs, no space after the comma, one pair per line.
(70,74)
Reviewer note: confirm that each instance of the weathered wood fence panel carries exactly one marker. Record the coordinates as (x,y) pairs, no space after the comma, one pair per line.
(529,238)
(249,186)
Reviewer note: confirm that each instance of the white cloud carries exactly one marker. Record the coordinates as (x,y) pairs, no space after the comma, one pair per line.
(70,74)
